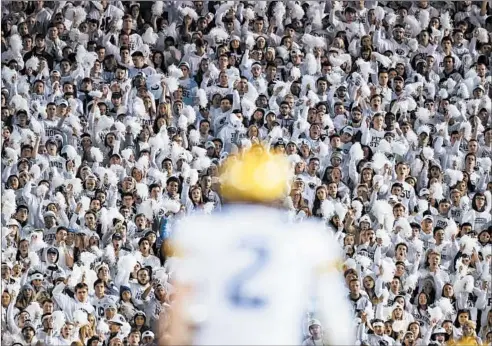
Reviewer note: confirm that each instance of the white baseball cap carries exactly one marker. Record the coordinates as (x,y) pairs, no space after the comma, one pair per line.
(147,333)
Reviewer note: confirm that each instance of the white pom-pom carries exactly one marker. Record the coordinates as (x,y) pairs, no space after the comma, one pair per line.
(218,35)
(202,98)
(60,201)
(15,43)
(365,68)
(174,71)
(413,24)
(8,203)
(428,153)
(485,163)
(389,269)
(358,207)
(445,20)
(86,202)
(295,73)
(76,185)
(142,190)
(413,44)
(470,244)
(411,282)
(482,35)
(312,42)
(208,207)
(190,114)
(32,63)
(11,154)
(423,114)
(150,37)
(171,83)
(454,176)
(350,264)
(450,230)
(437,191)
(87,258)
(171,205)
(71,152)
(157,8)
(311,64)
(446,306)
(248,14)
(8,74)
(129,261)
(202,163)
(41,190)
(364,261)
(19,102)
(80,317)
(465,284)
(487,251)
(384,236)
(327,209)
(435,313)
(194,137)
(383,212)
(379,13)
(384,146)
(382,59)
(399,148)
(59,320)
(188,11)
(379,160)
(35,172)
(404,225)
(97,154)
(134,125)
(96,94)
(102,326)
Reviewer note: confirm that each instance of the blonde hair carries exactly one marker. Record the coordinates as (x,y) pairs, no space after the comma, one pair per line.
(472,325)
(85,332)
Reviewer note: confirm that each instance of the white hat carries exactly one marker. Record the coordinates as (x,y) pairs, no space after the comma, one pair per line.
(13,222)
(393,198)
(147,333)
(115,320)
(37,276)
(428,217)
(365,218)
(314,322)
(424,192)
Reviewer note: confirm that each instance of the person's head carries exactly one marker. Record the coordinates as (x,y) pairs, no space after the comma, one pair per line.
(134,337)
(47,321)
(28,331)
(368,283)
(143,276)
(354,286)
(6,299)
(468,329)
(378,327)
(147,337)
(81,292)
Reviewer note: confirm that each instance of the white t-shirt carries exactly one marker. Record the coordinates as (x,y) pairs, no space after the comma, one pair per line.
(254,275)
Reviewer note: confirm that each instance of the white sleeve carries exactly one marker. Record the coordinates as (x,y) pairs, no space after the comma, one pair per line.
(330,293)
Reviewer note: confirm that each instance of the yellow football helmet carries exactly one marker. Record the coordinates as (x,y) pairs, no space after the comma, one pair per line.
(256,175)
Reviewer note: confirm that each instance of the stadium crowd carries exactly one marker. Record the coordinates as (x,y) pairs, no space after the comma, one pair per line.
(117,116)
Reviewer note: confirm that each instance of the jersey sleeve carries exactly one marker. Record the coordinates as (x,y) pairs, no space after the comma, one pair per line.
(333,308)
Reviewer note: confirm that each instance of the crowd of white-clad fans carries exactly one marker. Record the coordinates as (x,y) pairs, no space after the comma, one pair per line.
(117,116)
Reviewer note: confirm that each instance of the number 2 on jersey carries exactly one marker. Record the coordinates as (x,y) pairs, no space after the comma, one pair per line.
(235,290)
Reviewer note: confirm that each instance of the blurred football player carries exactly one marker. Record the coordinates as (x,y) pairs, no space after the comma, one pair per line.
(247,275)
